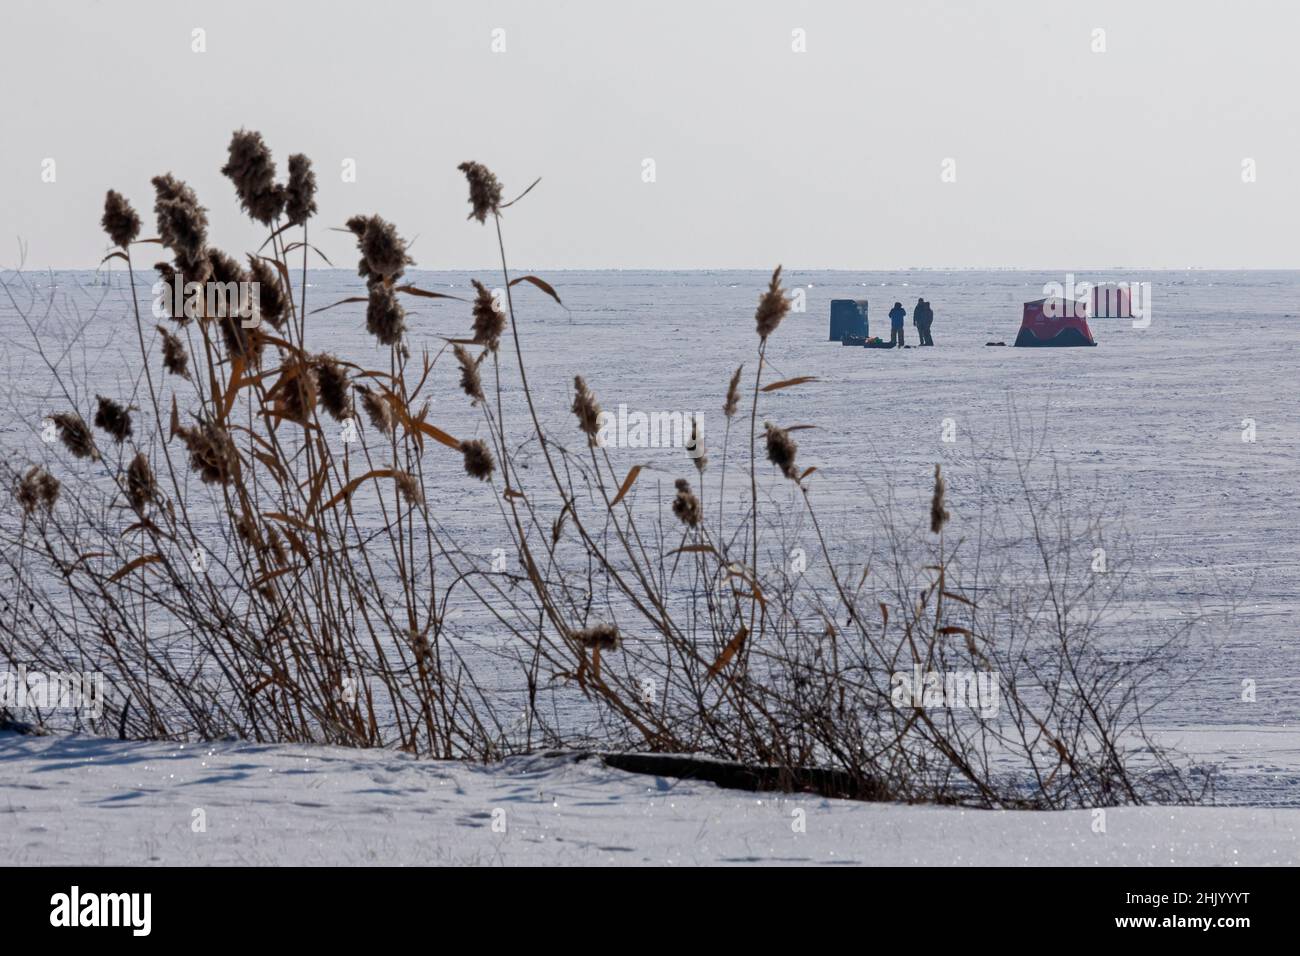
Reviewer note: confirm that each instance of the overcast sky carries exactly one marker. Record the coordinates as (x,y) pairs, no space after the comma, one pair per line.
(829,158)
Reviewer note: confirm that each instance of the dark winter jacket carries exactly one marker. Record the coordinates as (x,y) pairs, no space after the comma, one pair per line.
(896,316)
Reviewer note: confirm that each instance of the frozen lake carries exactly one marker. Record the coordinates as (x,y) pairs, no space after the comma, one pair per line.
(1151,420)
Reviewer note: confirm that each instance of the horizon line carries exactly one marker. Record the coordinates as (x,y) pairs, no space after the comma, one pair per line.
(759,269)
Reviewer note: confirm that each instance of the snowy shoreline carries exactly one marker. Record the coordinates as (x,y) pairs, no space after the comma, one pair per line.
(76,800)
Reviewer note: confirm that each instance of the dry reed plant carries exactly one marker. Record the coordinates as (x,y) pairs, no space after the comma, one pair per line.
(233,571)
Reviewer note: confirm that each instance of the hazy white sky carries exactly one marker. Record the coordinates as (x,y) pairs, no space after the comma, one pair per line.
(1064,157)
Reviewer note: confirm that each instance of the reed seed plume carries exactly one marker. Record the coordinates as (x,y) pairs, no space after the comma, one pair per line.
(409,487)
(781,449)
(252,171)
(383,251)
(37,488)
(213,455)
(385,317)
(224,268)
(223,272)
(602,636)
(300,192)
(470,381)
(489,321)
(377,410)
(479,462)
(120,220)
(247,530)
(772,306)
(587,410)
(733,393)
(175,359)
(275,547)
(75,435)
(685,505)
(484,190)
(335,390)
(271,302)
(357,226)
(141,488)
(269,545)
(182,226)
(296,392)
(245,343)
(113,418)
(938,512)
(168,276)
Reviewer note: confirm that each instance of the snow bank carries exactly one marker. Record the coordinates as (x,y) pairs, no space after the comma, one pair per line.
(87,801)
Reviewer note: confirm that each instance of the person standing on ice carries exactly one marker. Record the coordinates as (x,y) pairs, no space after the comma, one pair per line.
(896,316)
(922,316)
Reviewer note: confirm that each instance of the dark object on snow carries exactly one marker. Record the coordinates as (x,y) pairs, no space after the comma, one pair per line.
(848,317)
(1066,337)
(8,724)
(878,344)
(1054,322)
(995,343)
(858,340)
(738,776)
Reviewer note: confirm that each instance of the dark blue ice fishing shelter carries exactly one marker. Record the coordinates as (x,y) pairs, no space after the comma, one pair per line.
(848,317)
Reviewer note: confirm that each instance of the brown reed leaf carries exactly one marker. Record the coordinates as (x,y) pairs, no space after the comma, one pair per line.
(133,564)
(541,284)
(437,434)
(351,298)
(346,491)
(626,486)
(731,650)
(425,293)
(786,383)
